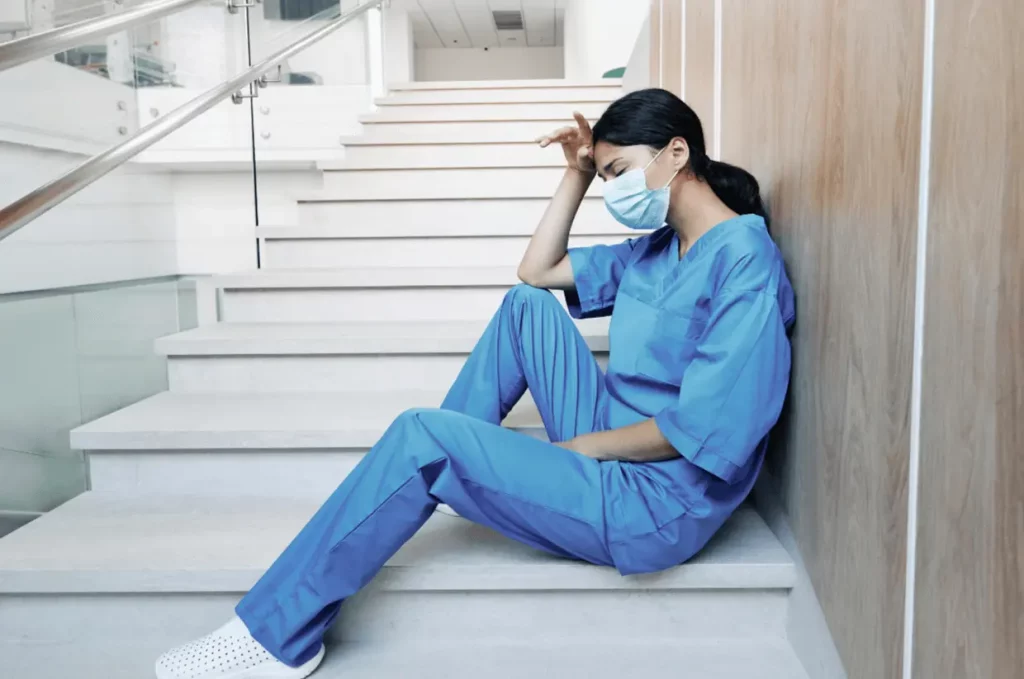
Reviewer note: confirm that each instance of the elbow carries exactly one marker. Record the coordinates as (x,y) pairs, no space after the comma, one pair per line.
(529,276)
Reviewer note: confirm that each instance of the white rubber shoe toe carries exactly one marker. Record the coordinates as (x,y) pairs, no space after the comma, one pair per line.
(229,653)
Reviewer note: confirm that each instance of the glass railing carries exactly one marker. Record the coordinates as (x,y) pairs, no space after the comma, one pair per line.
(126,171)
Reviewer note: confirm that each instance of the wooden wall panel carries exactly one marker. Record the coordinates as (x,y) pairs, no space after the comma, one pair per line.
(699,91)
(666,26)
(654,25)
(969,613)
(821,101)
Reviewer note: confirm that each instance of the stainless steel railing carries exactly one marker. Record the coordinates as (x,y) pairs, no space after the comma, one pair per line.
(32,47)
(21,212)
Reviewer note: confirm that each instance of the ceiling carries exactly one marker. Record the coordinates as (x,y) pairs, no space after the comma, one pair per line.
(470,23)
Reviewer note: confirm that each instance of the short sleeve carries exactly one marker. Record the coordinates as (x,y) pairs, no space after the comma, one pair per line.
(732,392)
(597,272)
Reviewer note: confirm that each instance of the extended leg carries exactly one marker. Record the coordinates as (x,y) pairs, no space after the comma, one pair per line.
(532,343)
(531,491)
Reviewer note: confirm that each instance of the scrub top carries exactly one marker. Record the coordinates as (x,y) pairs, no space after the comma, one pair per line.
(699,343)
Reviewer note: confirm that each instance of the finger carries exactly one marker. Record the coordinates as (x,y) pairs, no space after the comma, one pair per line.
(583,123)
(558,136)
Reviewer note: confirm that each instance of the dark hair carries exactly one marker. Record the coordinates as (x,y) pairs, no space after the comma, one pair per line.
(654,118)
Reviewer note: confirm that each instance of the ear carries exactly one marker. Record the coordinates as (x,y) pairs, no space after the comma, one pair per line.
(680,151)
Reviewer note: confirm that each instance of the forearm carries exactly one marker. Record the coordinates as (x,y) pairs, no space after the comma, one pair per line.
(545,263)
(641,442)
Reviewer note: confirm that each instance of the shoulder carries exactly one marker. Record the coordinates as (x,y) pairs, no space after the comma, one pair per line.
(746,258)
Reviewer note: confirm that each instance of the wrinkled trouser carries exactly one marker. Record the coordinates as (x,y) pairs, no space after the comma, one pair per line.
(529,490)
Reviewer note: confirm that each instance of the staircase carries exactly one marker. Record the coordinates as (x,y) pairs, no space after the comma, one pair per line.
(366,307)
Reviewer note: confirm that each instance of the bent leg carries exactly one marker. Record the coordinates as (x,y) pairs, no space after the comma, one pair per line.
(532,343)
(529,490)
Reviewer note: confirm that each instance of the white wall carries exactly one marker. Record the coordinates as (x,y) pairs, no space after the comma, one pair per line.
(399,49)
(600,35)
(119,228)
(35,102)
(215,216)
(638,70)
(340,58)
(497,63)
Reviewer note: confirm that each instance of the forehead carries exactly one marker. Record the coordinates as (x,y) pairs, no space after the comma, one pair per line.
(605,153)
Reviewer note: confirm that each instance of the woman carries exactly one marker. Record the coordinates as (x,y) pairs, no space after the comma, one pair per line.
(651,458)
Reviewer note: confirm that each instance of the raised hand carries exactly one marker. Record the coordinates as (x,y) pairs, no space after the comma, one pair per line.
(577,144)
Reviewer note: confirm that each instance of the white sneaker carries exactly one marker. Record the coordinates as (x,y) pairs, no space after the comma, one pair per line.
(229,653)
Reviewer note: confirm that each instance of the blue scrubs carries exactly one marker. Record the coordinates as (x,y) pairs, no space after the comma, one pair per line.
(700,345)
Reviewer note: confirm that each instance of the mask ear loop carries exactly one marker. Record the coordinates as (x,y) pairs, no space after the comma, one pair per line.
(674,174)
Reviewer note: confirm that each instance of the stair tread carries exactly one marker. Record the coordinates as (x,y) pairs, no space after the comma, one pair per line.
(611,83)
(376,277)
(767,658)
(374,338)
(363,230)
(115,543)
(277,420)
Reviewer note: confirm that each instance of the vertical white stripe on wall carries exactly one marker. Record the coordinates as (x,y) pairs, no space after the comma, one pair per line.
(923,192)
(716,146)
(682,50)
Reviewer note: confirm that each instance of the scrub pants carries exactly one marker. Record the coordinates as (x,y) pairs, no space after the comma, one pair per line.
(529,490)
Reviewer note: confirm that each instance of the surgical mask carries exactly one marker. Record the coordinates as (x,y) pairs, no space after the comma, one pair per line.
(633,204)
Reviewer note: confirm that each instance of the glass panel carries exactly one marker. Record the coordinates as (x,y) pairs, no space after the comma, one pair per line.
(313,101)
(86,287)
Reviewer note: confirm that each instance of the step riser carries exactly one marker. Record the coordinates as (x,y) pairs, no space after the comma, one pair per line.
(470,112)
(355,305)
(267,374)
(445,183)
(454,217)
(291,473)
(506,133)
(80,636)
(367,252)
(528,129)
(451,155)
(574,95)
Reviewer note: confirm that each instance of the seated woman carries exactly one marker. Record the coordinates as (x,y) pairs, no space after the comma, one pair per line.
(648,460)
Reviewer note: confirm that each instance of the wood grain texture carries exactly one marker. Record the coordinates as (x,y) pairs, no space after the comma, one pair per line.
(654,25)
(821,101)
(699,82)
(672,41)
(969,614)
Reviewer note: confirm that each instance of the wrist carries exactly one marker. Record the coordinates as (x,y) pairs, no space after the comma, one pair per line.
(581,174)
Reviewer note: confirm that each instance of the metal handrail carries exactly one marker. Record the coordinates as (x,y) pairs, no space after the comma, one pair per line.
(32,47)
(21,212)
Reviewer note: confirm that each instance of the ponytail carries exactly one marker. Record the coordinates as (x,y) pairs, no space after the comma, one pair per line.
(734,186)
(655,117)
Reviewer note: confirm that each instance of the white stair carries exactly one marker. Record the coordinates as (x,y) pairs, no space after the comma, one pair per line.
(366,307)
(105,583)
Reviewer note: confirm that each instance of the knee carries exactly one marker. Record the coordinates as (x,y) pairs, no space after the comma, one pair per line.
(423,418)
(525,296)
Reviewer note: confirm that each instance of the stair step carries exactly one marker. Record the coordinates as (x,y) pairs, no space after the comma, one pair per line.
(295,421)
(502,95)
(374,339)
(361,295)
(525,130)
(127,576)
(432,156)
(497,217)
(766,658)
(310,357)
(612,84)
(133,543)
(282,444)
(478,112)
(318,248)
(459,183)
(505,133)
